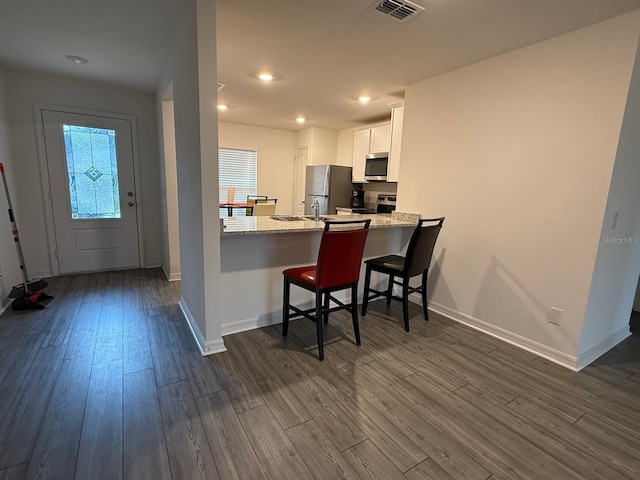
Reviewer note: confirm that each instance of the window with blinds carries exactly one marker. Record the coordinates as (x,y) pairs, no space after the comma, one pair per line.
(238,169)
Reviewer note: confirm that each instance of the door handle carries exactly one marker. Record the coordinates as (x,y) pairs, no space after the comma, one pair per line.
(130,194)
(131,204)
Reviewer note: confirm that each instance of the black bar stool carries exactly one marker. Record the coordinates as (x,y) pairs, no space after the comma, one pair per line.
(416,262)
(338,268)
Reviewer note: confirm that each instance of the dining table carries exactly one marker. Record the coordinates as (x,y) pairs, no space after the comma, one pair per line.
(231,206)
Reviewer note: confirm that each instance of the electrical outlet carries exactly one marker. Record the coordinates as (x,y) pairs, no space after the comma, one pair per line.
(555,314)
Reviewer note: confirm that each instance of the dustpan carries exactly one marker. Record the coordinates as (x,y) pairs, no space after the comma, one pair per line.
(36,301)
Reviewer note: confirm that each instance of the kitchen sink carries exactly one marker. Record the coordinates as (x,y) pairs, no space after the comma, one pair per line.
(294,218)
(286,218)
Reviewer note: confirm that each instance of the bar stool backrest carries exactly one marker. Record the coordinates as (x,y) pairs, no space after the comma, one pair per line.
(340,254)
(421,245)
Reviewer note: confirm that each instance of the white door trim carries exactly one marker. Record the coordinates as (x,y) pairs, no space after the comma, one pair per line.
(44,174)
(300,177)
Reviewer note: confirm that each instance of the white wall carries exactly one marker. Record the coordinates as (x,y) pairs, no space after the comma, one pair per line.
(169,187)
(345,147)
(24,88)
(191,68)
(325,146)
(276,150)
(517,152)
(9,265)
(615,276)
(322,143)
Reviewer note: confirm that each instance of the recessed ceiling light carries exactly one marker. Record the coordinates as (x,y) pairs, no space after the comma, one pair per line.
(222,106)
(364,98)
(266,76)
(301,119)
(77,60)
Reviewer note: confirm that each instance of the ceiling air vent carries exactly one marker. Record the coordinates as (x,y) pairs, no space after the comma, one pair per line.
(399,9)
(221,86)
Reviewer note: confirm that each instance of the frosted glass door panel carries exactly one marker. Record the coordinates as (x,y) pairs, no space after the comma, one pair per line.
(92,166)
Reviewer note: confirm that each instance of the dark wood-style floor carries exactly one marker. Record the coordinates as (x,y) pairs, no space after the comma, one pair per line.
(108,383)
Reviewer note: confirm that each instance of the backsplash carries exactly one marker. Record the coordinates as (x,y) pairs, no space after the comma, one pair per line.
(372,190)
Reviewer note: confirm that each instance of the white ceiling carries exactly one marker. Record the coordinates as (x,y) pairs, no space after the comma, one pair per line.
(325,52)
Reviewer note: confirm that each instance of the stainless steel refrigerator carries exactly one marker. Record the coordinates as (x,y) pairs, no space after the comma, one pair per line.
(330,184)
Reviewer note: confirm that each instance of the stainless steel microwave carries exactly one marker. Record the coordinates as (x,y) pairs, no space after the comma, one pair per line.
(375,167)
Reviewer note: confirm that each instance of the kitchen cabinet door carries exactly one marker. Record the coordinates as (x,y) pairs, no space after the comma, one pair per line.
(379,140)
(360,151)
(393,171)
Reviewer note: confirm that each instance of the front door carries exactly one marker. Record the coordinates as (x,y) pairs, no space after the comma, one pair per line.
(91,179)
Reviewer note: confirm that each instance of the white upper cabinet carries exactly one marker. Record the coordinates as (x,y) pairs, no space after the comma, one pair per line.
(360,150)
(397,115)
(379,141)
(371,139)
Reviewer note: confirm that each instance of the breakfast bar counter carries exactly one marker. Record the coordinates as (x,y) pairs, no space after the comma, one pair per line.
(298,223)
(255,250)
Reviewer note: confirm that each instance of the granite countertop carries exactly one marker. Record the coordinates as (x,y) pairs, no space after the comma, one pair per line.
(262,225)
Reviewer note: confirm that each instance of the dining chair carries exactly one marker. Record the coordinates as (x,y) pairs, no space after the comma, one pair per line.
(254,199)
(337,268)
(264,209)
(416,262)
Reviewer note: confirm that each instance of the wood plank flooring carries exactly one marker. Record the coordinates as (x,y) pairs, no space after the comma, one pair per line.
(109,384)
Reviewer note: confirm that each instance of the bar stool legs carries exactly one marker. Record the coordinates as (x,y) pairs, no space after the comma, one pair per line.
(424,296)
(319,325)
(365,297)
(285,307)
(354,312)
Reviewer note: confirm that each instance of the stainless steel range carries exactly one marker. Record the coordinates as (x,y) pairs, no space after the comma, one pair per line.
(386,203)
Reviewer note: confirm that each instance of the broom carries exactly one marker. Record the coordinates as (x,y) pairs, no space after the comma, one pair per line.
(27,293)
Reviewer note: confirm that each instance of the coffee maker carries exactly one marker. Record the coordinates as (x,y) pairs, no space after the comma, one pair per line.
(357,199)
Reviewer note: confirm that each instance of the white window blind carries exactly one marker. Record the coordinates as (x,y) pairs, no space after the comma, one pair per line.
(239,169)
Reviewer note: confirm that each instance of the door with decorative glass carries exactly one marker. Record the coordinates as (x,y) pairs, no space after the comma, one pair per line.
(92,185)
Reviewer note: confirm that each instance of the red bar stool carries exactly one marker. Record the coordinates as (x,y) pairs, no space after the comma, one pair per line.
(338,268)
(416,262)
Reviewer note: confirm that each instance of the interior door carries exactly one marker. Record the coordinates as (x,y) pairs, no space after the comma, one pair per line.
(92,185)
(300,167)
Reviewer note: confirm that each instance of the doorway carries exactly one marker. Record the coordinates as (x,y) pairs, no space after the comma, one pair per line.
(92,191)
(299,175)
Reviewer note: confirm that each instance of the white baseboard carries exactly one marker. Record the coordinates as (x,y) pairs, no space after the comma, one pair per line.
(238,326)
(40,274)
(250,324)
(206,348)
(601,348)
(173,277)
(4,304)
(152,265)
(215,346)
(551,354)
